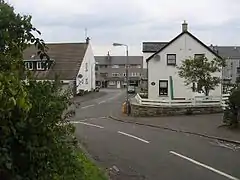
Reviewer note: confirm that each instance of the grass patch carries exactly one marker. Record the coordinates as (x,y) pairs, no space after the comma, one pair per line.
(90,170)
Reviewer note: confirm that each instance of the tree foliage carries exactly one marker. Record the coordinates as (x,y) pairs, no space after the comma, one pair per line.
(200,72)
(36,141)
(232,112)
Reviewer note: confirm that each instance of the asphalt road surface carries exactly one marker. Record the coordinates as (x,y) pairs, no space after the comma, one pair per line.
(133,152)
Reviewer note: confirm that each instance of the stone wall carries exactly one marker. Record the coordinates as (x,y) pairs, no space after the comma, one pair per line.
(156,111)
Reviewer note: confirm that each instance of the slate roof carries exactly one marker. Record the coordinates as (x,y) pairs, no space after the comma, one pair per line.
(153,46)
(67,60)
(118,60)
(231,52)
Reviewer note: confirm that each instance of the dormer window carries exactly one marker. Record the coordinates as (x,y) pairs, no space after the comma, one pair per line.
(29,65)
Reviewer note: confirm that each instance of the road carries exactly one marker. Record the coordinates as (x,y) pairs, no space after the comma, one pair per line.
(133,152)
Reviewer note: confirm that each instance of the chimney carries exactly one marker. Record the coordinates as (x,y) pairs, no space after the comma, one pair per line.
(87,40)
(184,26)
(108,56)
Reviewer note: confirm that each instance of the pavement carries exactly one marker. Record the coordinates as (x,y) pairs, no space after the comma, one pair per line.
(210,126)
(129,151)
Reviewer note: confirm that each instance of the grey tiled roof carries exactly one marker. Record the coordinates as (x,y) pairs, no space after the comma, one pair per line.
(153,46)
(67,56)
(231,52)
(118,60)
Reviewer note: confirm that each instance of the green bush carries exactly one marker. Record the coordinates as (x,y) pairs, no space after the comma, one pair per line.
(232,112)
(36,142)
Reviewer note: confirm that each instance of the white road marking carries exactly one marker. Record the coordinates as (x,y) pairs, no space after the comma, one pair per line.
(116,168)
(205,166)
(129,135)
(101,102)
(85,107)
(88,124)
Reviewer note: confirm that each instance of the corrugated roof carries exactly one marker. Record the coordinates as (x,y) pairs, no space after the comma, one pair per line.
(231,52)
(153,46)
(118,60)
(67,56)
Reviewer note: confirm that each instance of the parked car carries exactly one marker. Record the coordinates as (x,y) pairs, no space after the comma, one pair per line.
(131,89)
(97,88)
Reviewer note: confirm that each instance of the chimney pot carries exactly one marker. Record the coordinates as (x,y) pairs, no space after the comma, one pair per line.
(184,26)
(87,40)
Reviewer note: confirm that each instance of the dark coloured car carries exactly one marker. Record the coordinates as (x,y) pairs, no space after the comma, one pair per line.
(131,89)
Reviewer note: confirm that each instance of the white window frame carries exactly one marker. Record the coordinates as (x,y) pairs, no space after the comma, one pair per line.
(115,74)
(115,66)
(112,83)
(40,65)
(27,65)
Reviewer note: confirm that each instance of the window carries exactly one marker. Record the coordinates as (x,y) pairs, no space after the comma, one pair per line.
(194,87)
(40,66)
(171,59)
(135,66)
(199,56)
(86,67)
(86,81)
(115,66)
(163,87)
(112,83)
(134,74)
(238,70)
(115,74)
(124,74)
(104,74)
(29,65)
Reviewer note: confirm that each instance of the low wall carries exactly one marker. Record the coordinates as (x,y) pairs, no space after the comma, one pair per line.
(151,111)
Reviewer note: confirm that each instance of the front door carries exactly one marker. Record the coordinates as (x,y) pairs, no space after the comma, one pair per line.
(118,84)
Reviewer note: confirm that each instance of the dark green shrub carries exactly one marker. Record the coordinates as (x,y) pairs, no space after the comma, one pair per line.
(232,112)
(36,142)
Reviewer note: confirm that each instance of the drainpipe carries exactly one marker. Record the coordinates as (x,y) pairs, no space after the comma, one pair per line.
(171,87)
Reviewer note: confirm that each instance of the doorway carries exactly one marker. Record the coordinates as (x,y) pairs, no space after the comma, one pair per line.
(118,84)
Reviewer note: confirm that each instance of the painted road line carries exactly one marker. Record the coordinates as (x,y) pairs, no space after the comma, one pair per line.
(101,102)
(205,166)
(88,124)
(129,135)
(85,107)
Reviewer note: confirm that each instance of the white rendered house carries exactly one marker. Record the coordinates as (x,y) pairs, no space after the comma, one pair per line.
(163,79)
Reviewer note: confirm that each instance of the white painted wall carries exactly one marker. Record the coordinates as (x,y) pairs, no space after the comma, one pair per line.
(145,57)
(87,70)
(184,47)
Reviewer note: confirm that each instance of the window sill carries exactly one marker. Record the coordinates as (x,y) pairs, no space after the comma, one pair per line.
(163,96)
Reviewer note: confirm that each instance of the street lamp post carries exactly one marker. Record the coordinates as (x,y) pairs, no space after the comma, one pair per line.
(127,77)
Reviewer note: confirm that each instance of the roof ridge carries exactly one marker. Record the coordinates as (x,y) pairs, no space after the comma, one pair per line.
(178,36)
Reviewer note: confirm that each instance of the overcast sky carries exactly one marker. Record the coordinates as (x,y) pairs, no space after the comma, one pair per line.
(132,21)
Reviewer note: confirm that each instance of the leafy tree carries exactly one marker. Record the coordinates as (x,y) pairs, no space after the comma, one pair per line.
(199,72)
(36,140)
(232,112)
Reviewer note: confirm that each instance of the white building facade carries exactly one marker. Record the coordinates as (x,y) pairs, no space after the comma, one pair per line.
(86,79)
(163,79)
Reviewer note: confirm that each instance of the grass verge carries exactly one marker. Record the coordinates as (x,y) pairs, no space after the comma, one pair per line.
(90,170)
